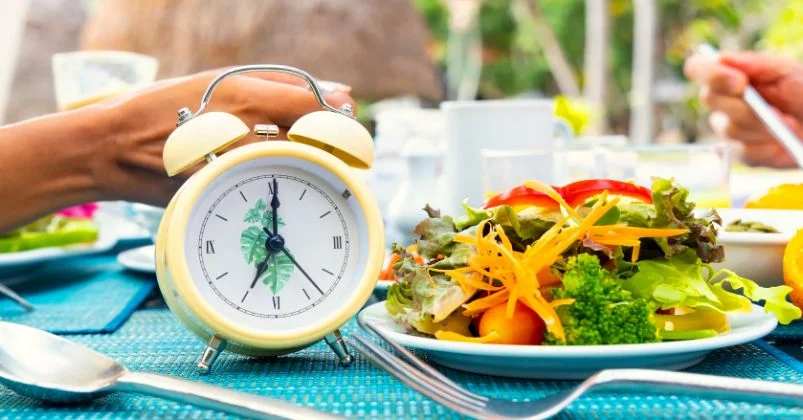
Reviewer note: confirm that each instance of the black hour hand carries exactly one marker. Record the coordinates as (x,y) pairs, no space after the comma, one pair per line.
(260,269)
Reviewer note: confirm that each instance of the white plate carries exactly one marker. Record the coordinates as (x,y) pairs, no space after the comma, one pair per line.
(758,256)
(383,285)
(140,259)
(571,362)
(16,266)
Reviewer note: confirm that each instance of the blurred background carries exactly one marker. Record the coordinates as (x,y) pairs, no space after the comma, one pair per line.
(617,62)
(611,70)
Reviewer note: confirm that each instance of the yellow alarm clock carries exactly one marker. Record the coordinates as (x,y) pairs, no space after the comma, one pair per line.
(271,246)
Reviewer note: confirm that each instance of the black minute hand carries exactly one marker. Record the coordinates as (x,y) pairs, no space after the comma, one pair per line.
(293,260)
(274,205)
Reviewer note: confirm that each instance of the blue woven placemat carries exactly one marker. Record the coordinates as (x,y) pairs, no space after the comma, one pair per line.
(153,341)
(80,296)
(791,332)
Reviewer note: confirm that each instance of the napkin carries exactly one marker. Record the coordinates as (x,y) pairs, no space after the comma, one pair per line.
(81,296)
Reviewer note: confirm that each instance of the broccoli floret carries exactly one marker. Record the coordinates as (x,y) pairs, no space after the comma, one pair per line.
(603,312)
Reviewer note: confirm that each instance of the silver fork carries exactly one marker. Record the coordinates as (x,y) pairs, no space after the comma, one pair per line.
(423,378)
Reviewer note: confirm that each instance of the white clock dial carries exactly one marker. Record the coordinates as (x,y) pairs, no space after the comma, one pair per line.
(243,270)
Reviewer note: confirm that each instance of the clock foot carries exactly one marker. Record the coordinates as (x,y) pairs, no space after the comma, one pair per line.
(212,351)
(338,346)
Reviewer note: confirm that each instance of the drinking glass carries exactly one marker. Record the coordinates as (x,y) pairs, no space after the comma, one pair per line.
(702,168)
(84,77)
(504,169)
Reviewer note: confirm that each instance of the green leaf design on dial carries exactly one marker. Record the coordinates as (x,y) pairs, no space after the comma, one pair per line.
(279,270)
(252,245)
(255,214)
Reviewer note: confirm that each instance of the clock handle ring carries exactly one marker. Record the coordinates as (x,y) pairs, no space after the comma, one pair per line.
(185,114)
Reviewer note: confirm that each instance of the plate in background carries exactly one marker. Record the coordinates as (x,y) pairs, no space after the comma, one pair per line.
(140,259)
(15,267)
(758,256)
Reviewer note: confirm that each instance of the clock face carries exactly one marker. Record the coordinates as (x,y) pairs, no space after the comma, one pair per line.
(274,244)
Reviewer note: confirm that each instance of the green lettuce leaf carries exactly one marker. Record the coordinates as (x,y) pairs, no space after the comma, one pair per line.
(673,210)
(425,301)
(436,236)
(637,215)
(473,217)
(774,298)
(683,280)
(522,228)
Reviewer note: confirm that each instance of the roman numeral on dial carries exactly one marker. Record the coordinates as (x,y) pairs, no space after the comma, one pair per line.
(210,247)
(338,242)
(277,304)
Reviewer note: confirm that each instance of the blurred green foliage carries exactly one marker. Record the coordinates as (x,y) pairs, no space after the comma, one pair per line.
(513,61)
(785,34)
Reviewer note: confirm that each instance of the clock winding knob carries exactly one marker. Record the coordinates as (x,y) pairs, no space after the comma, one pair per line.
(267,131)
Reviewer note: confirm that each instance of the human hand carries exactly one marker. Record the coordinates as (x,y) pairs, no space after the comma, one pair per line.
(130,165)
(779,80)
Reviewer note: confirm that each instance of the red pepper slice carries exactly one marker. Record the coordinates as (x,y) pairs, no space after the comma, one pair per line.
(575,194)
(578,192)
(520,196)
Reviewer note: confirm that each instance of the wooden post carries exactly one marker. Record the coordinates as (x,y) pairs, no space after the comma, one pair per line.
(596,67)
(645,28)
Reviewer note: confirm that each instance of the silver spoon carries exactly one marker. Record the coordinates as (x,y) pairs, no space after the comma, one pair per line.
(49,368)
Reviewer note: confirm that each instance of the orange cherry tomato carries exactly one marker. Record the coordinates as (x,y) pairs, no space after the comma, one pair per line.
(525,327)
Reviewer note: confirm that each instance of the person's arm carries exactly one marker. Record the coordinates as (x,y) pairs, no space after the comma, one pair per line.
(45,164)
(113,150)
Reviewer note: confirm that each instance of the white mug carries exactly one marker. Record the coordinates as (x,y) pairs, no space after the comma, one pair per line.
(472,126)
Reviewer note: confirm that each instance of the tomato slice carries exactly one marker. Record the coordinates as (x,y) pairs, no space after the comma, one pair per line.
(578,192)
(520,196)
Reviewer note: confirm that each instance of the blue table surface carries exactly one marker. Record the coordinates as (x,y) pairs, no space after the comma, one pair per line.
(152,340)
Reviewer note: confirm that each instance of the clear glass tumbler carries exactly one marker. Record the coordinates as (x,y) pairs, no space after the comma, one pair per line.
(504,169)
(702,168)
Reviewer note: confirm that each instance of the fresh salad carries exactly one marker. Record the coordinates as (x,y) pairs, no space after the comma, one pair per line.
(593,262)
(68,227)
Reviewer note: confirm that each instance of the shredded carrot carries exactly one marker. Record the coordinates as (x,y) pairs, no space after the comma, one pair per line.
(511,303)
(482,304)
(625,230)
(549,191)
(616,241)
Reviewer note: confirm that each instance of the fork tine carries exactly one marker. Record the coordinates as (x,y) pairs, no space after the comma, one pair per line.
(415,379)
(420,364)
